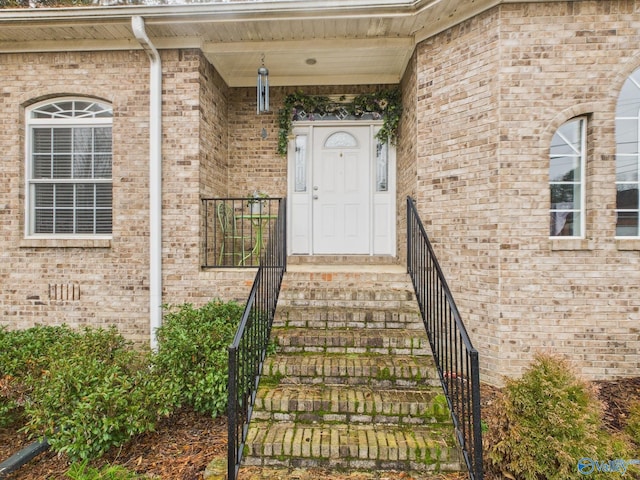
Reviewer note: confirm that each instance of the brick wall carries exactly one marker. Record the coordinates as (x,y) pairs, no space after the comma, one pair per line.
(457,172)
(107,283)
(212,146)
(406,154)
(69,282)
(214,132)
(197,165)
(491,93)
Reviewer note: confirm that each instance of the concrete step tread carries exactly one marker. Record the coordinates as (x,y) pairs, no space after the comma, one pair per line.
(352,274)
(315,263)
(363,404)
(426,445)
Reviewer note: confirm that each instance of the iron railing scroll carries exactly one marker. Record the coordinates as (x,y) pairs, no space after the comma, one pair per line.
(249,348)
(455,357)
(237,230)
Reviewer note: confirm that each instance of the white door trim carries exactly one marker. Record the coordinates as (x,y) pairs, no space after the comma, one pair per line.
(382,204)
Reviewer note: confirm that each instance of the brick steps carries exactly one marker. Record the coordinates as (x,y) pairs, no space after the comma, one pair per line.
(339,294)
(352,340)
(372,446)
(352,369)
(352,384)
(327,316)
(319,403)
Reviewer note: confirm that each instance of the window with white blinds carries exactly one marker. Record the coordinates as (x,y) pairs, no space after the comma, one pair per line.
(69,160)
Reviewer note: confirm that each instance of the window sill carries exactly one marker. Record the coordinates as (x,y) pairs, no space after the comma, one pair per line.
(559,244)
(66,242)
(628,243)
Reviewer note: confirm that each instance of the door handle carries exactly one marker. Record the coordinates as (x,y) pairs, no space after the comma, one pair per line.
(315,197)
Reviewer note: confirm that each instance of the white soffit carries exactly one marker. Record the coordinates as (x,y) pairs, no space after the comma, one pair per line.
(304,42)
(312,62)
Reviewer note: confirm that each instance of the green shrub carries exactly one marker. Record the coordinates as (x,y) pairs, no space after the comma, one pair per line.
(86,391)
(26,352)
(23,358)
(633,423)
(8,408)
(81,471)
(193,352)
(547,421)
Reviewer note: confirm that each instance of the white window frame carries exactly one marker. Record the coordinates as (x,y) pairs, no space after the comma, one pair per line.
(557,215)
(631,178)
(100,116)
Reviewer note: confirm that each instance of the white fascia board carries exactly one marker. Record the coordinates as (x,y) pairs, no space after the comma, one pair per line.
(278,81)
(243,10)
(305,45)
(198,12)
(94,45)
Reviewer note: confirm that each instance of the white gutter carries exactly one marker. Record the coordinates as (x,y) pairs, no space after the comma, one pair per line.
(155,178)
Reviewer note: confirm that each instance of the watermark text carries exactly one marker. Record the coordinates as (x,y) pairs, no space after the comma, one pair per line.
(587,466)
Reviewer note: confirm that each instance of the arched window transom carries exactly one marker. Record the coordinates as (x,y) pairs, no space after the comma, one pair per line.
(341,140)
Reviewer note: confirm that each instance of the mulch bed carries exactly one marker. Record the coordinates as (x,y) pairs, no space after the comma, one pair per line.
(185,443)
(181,448)
(617,396)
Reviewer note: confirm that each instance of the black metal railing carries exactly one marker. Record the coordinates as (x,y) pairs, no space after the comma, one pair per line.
(249,347)
(454,355)
(237,230)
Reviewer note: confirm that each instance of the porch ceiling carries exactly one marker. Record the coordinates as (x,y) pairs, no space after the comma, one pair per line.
(304,42)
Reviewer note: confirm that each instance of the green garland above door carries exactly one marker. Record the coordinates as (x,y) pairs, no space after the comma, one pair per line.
(384,104)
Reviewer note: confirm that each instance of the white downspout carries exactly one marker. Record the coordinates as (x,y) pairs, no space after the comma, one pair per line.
(155,178)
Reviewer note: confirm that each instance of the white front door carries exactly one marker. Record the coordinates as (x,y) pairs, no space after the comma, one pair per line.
(341,191)
(340,182)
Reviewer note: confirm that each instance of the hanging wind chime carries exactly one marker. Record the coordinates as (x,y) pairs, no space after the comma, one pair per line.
(263,88)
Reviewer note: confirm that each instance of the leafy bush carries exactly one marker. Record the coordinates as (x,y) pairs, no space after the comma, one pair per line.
(26,352)
(633,423)
(24,355)
(549,420)
(193,352)
(86,391)
(7,411)
(81,471)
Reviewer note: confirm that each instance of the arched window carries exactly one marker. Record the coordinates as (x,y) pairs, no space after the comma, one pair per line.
(68,172)
(628,157)
(566,179)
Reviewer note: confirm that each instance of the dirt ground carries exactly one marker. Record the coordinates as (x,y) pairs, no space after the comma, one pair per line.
(185,444)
